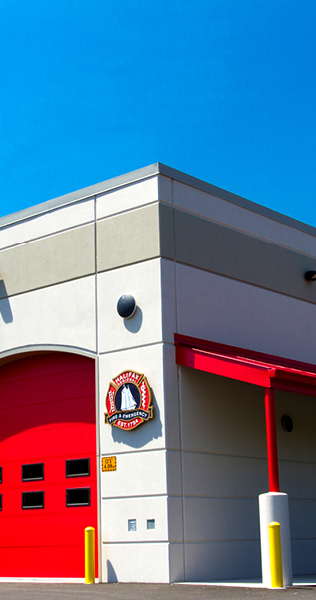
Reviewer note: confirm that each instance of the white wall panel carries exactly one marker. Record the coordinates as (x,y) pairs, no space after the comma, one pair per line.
(127,197)
(176,562)
(300,444)
(209,519)
(303,518)
(144,563)
(175,518)
(303,556)
(211,475)
(172,409)
(231,312)
(222,415)
(174,472)
(49,223)
(222,560)
(137,474)
(168,305)
(298,479)
(117,512)
(221,211)
(150,435)
(165,189)
(143,281)
(63,314)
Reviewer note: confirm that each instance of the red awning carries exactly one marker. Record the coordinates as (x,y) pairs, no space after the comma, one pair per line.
(246,365)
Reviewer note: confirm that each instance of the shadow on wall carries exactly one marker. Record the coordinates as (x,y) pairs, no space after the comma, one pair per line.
(138,437)
(112,577)
(5,309)
(134,324)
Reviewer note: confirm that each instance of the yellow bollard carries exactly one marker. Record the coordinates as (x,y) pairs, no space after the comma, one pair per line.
(275,554)
(89,554)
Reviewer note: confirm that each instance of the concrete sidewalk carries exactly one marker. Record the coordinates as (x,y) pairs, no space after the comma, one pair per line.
(146,591)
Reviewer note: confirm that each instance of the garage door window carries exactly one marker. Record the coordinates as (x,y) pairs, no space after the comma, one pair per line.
(33,472)
(32,500)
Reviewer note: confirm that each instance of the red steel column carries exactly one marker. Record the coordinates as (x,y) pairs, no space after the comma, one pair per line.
(272,447)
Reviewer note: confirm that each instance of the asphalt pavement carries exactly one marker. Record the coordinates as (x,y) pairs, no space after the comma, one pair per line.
(147,591)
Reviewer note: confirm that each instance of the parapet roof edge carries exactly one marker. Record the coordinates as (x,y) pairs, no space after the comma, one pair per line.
(145,173)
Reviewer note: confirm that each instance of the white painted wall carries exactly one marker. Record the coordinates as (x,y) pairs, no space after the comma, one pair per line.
(62,314)
(59,219)
(138,489)
(143,281)
(224,469)
(216,308)
(127,197)
(133,195)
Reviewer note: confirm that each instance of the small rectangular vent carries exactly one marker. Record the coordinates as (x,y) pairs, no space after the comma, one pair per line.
(0,502)
(32,500)
(78,497)
(33,472)
(79,467)
(0,474)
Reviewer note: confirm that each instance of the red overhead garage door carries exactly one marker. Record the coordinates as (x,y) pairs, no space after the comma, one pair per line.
(48,490)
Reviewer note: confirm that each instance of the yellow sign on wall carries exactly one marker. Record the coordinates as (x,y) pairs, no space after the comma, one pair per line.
(109,463)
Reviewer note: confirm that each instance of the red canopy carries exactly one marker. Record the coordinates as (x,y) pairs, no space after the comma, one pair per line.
(246,365)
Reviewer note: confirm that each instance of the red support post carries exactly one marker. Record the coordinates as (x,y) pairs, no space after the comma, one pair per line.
(272,447)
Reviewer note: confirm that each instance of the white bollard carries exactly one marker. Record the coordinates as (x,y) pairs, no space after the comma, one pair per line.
(274,506)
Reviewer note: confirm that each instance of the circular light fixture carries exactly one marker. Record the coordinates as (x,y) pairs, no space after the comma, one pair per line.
(126,306)
(287,423)
(310,275)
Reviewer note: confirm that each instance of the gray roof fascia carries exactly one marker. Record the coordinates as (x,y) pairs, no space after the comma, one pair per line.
(145,173)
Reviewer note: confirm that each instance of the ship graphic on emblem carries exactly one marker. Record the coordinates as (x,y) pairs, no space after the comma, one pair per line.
(128,401)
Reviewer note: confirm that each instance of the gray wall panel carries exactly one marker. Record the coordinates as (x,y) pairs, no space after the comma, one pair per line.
(128,238)
(222,250)
(149,232)
(48,261)
(159,230)
(135,236)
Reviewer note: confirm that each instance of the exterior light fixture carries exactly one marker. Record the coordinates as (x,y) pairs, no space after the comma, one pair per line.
(310,275)
(126,306)
(287,423)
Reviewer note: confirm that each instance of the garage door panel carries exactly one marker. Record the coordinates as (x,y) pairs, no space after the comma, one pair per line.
(40,563)
(70,532)
(33,365)
(33,443)
(47,417)
(72,411)
(28,391)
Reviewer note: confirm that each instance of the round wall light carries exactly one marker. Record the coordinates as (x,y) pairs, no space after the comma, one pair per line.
(126,306)
(310,275)
(287,423)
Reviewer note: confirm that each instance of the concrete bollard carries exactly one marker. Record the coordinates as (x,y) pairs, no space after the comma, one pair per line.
(274,506)
(89,538)
(275,554)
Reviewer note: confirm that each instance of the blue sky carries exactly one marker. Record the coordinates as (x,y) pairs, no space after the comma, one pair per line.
(224,90)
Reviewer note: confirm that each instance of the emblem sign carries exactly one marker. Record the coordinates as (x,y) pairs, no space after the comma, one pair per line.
(128,401)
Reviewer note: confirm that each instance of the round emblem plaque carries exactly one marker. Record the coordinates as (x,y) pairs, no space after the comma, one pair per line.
(128,401)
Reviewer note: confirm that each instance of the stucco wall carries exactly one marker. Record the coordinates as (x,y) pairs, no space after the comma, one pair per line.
(224,469)
(205,265)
